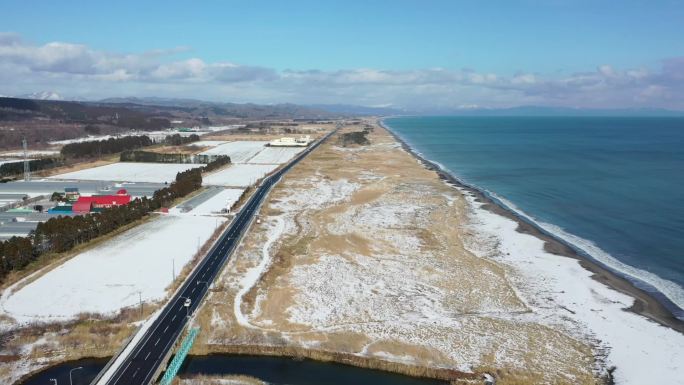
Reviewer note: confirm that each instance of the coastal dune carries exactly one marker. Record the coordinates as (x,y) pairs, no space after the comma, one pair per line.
(362,252)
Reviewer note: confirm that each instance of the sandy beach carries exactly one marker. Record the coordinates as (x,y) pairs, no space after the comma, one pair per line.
(644,303)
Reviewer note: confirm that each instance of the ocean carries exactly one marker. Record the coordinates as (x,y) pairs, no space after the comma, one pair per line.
(613,188)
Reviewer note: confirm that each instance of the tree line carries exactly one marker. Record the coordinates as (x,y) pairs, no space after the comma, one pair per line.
(65,232)
(179,140)
(14,168)
(155,157)
(356,137)
(217,163)
(107,146)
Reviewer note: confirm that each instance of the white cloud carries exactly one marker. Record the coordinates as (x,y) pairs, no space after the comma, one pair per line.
(82,71)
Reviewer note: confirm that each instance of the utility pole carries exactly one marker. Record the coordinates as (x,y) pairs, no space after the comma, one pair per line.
(141,303)
(27,168)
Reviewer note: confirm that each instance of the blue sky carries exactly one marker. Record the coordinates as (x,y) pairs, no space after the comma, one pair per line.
(555,44)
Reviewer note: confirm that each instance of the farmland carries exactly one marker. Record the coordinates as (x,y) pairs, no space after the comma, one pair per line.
(114,274)
(239,175)
(225,199)
(239,152)
(276,155)
(130,172)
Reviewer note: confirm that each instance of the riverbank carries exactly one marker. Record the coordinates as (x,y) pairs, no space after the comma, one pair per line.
(644,303)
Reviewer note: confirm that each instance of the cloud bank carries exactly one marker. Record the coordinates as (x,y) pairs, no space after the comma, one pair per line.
(80,71)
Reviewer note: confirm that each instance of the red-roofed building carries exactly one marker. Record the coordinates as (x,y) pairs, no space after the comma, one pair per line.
(87,204)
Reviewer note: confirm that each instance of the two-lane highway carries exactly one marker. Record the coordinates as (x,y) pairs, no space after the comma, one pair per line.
(144,359)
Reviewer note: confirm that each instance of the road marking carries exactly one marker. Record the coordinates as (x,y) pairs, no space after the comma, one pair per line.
(129,364)
(136,372)
(174,317)
(166,328)
(155,344)
(148,354)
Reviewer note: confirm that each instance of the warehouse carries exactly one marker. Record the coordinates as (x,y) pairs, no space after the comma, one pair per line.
(98,202)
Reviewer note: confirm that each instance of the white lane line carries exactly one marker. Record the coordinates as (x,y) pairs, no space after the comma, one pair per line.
(166,328)
(148,354)
(155,344)
(129,364)
(174,317)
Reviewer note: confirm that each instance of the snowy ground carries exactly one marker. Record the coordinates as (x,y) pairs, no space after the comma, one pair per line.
(239,152)
(3,161)
(223,200)
(276,155)
(207,143)
(238,175)
(111,275)
(130,172)
(89,138)
(16,154)
(559,289)
(361,250)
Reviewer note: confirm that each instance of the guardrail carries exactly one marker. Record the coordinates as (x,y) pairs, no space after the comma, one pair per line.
(178,359)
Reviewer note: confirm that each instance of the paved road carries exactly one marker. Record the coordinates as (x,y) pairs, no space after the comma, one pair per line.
(145,358)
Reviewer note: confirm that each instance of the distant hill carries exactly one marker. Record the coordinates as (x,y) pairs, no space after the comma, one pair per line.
(43,95)
(235,110)
(42,121)
(16,109)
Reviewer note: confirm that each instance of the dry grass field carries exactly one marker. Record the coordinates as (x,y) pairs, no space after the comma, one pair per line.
(359,253)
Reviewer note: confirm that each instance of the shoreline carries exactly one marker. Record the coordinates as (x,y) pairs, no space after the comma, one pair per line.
(645,303)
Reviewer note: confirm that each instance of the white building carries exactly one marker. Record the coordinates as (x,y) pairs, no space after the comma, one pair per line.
(291,142)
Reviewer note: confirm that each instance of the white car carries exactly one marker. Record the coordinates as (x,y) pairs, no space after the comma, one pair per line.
(187,302)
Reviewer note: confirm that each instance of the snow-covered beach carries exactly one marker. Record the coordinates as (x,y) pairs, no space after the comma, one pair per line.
(564,293)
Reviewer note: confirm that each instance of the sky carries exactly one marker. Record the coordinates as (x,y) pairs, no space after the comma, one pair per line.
(405,54)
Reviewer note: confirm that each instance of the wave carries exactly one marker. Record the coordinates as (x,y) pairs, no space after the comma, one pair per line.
(669,293)
(641,278)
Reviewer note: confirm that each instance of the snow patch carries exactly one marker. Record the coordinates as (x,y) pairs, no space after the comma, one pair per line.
(561,292)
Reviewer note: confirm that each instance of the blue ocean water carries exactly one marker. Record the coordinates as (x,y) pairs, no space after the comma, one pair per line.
(613,187)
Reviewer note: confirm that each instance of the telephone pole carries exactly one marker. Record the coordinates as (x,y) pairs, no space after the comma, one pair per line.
(27,168)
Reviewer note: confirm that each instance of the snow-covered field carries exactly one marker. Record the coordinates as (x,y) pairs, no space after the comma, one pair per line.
(130,172)
(3,161)
(111,275)
(276,155)
(207,143)
(238,175)
(89,138)
(562,292)
(20,154)
(223,200)
(239,152)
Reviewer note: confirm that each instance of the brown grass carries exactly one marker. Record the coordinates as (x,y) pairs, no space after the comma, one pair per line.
(395,178)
